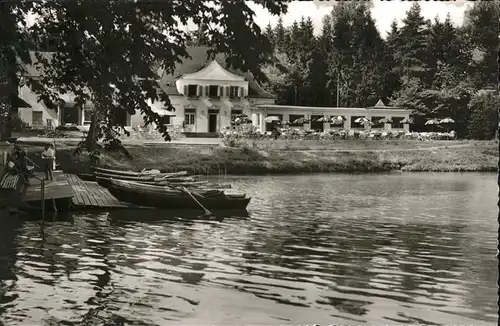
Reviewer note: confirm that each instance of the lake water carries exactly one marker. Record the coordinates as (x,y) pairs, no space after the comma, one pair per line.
(344,249)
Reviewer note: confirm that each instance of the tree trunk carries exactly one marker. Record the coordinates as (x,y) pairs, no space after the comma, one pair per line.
(91,140)
(5,121)
(9,79)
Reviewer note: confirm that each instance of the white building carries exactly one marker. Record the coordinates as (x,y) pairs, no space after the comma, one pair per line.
(291,113)
(206,96)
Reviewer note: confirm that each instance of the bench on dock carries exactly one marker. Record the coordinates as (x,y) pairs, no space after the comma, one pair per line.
(9,181)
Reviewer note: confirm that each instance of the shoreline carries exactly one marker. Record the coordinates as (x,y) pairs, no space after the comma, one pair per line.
(268,158)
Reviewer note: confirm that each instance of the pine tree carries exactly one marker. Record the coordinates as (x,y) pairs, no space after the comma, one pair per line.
(293,45)
(269,34)
(435,45)
(454,52)
(328,55)
(358,53)
(414,55)
(481,25)
(281,36)
(393,72)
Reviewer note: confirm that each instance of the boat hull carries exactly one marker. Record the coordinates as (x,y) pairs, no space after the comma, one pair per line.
(160,198)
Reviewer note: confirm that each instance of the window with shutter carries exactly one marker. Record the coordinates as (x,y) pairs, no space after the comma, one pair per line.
(207,91)
(240,92)
(219,91)
(213,91)
(233,92)
(192,90)
(227,91)
(185,90)
(199,90)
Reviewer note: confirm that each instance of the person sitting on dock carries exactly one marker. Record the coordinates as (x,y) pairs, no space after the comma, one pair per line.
(48,159)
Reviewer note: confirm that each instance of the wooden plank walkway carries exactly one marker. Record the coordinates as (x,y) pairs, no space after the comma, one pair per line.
(89,194)
(59,188)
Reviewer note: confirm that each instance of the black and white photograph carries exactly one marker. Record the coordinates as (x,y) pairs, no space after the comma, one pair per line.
(265,162)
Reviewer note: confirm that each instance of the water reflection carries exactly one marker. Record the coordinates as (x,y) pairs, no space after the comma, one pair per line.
(374,249)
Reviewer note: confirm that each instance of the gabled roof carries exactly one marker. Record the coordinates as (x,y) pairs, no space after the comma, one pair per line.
(213,71)
(198,61)
(381,105)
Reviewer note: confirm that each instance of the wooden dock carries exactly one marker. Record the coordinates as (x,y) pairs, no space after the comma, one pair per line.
(72,192)
(56,189)
(89,194)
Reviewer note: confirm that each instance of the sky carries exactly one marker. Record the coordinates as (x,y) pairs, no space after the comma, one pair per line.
(384,12)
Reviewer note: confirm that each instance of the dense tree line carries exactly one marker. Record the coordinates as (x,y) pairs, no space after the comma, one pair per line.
(431,67)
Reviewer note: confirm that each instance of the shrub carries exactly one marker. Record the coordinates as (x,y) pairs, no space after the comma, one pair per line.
(67,128)
(484,115)
(18,124)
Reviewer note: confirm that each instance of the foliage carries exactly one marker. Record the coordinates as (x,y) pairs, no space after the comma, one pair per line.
(481,34)
(484,115)
(431,68)
(13,55)
(17,124)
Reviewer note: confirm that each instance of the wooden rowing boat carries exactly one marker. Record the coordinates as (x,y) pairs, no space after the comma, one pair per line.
(167,182)
(138,174)
(87,176)
(172,197)
(163,179)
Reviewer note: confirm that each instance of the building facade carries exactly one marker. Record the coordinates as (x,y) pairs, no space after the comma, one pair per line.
(350,115)
(207,96)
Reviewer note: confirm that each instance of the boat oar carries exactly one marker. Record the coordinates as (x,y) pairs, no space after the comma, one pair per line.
(207,212)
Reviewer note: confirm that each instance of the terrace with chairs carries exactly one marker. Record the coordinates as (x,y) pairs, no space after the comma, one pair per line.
(243,128)
(319,119)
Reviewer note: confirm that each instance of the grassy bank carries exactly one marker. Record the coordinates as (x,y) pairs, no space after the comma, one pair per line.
(299,157)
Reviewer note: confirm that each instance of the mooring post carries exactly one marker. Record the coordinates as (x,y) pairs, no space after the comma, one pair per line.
(42,192)
(54,206)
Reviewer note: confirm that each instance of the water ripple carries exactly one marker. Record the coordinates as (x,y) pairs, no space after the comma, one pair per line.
(368,249)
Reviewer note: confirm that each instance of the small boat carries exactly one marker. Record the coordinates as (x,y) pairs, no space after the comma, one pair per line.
(145,173)
(173,197)
(87,176)
(162,179)
(124,177)
(103,181)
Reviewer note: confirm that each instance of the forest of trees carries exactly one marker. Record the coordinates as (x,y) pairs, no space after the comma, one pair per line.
(431,67)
